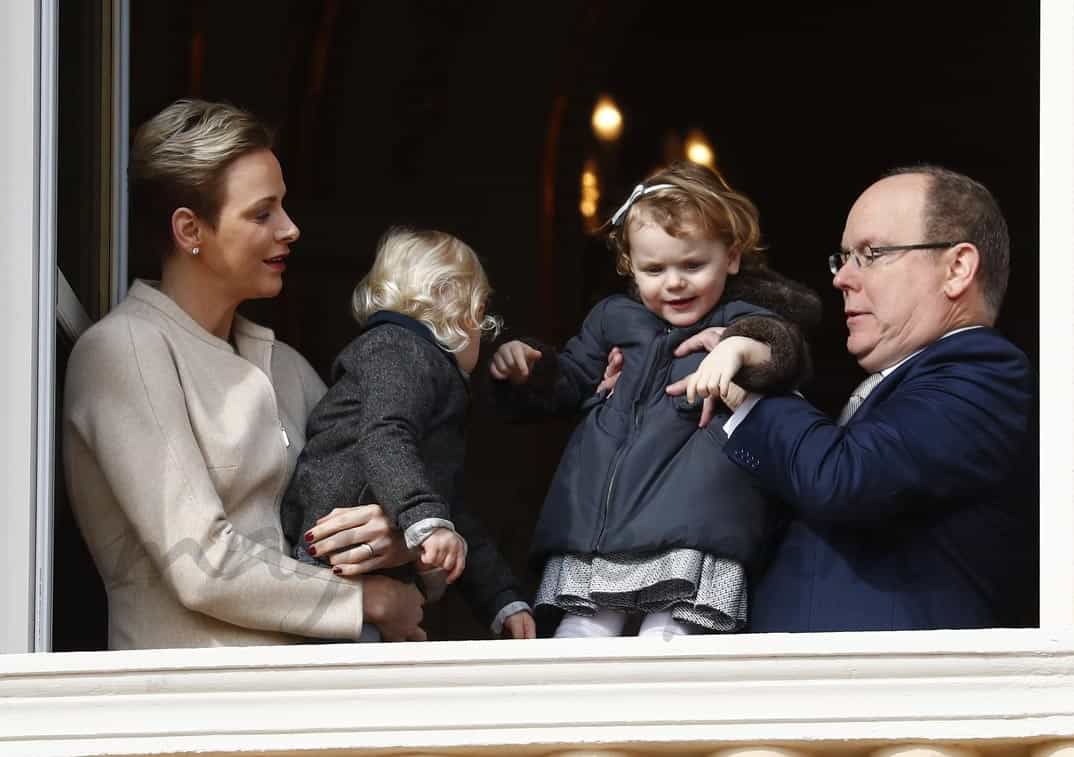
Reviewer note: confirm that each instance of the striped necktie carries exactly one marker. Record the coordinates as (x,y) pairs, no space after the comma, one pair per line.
(858,397)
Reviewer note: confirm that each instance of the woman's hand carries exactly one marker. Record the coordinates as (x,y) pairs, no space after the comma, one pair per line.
(393,607)
(520,626)
(358,540)
(513,361)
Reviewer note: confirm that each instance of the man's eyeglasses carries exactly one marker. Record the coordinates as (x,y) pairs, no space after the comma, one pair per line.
(868,255)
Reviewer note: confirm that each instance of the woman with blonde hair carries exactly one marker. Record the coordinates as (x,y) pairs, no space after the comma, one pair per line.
(392,427)
(183,420)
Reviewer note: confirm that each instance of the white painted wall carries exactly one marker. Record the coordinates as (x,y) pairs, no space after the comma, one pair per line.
(1056,310)
(18,317)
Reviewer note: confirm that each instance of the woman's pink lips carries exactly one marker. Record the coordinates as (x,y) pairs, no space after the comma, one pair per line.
(278,263)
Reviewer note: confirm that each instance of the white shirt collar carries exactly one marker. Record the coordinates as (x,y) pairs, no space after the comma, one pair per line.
(884,372)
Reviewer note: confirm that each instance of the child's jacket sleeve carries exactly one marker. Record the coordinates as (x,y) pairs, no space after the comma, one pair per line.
(488,584)
(790,364)
(799,310)
(560,381)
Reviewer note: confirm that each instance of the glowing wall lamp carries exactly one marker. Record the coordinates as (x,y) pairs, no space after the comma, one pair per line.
(699,149)
(590,195)
(607,120)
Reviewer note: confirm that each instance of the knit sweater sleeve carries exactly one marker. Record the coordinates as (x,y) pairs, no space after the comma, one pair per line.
(488,583)
(385,394)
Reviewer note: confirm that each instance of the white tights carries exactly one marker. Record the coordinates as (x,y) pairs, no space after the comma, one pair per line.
(610,623)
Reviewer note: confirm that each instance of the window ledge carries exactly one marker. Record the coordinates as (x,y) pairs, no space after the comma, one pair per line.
(935,685)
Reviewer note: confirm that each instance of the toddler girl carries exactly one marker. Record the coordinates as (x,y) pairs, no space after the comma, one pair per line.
(645,515)
(392,427)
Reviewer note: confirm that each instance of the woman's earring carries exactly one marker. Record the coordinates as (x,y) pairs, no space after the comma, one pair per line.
(195,251)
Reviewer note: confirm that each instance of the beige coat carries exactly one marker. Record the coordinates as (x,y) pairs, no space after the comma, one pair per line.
(177,451)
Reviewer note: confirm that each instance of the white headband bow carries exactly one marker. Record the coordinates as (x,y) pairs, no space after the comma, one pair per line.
(639,191)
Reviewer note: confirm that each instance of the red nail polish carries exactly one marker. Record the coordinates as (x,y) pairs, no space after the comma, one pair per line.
(337,570)
(309,536)
(312,551)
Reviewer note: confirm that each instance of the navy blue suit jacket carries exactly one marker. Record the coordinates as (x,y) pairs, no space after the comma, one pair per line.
(920,513)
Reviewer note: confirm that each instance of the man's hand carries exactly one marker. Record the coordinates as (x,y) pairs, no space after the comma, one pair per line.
(520,626)
(393,607)
(702,340)
(611,372)
(443,548)
(513,362)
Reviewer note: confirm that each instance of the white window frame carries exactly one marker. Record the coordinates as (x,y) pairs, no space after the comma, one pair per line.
(812,688)
(27,214)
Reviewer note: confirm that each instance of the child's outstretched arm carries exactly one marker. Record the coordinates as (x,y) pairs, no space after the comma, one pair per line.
(533,381)
(514,361)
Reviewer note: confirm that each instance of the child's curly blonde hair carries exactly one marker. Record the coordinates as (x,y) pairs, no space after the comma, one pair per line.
(693,201)
(432,277)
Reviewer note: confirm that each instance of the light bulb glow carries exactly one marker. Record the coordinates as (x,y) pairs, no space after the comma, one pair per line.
(698,150)
(590,191)
(607,120)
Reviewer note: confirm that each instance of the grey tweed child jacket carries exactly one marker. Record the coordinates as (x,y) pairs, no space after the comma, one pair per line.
(392,430)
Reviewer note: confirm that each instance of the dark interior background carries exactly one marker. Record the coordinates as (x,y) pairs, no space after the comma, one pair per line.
(474,118)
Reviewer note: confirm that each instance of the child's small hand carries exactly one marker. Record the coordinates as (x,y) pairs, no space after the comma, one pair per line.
(713,377)
(520,626)
(735,396)
(444,549)
(513,361)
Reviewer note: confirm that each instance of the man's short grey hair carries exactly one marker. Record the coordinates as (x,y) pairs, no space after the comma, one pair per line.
(959,208)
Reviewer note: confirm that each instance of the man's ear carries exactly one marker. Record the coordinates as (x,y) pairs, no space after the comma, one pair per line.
(961,271)
(186,229)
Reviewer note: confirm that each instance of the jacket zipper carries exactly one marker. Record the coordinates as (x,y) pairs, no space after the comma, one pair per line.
(619,453)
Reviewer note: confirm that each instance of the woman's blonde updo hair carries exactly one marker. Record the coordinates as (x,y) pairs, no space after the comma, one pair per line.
(178,160)
(432,277)
(699,203)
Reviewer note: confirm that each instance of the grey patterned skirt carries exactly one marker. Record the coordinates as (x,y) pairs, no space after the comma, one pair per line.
(701,589)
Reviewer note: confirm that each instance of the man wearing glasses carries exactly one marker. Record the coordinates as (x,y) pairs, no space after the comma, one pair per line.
(914,509)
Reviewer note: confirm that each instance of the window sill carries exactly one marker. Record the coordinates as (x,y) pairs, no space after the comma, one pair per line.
(806,689)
